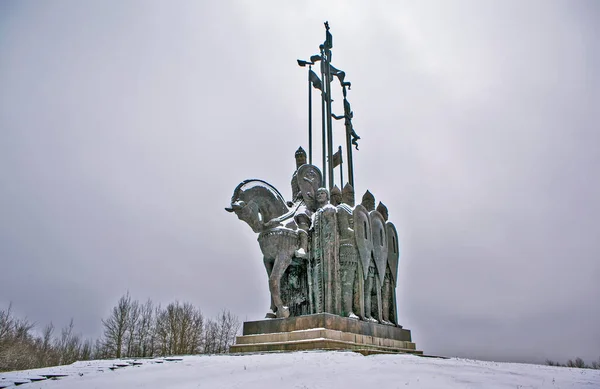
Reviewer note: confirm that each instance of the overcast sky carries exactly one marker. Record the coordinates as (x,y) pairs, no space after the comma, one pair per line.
(125,127)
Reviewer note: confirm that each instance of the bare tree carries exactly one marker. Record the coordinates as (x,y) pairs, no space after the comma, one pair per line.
(132,330)
(210,337)
(580,363)
(17,345)
(68,345)
(133,319)
(86,350)
(116,326)
(179,329)
(47,355)
(6,323)
(228,325)
(219,334)
(101,350)
(145,330)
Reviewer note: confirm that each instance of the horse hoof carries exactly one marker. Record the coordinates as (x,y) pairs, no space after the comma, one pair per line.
(270,315)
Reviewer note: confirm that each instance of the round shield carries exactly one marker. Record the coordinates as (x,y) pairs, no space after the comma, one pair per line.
(393,250)
(380,245)
(362,232)
(309,180)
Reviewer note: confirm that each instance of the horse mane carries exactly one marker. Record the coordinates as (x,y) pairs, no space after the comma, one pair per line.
(250,183)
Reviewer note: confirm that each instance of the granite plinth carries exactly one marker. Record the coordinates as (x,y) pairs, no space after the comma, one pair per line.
(323,332)
(327,321)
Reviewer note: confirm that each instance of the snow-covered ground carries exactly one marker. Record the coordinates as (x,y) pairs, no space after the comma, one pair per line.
(305,370)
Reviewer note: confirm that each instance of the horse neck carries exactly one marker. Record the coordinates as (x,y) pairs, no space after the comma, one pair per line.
(269,205)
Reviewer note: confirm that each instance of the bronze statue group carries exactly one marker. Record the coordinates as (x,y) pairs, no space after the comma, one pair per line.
(322,252)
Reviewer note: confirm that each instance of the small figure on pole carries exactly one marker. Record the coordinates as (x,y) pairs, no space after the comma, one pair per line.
(351,135)
(347,116)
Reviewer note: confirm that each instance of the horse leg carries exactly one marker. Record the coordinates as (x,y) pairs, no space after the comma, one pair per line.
(269,266)
(279,267)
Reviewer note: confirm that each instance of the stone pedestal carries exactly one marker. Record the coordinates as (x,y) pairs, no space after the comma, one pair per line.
(323,331)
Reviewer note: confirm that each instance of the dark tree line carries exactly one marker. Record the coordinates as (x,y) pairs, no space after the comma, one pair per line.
(578,362)
(132,329)
(136,329)
(21,348)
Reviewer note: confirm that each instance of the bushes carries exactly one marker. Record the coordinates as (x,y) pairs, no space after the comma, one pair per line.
(578,362)
(20,349)
(142,330)
(132,329)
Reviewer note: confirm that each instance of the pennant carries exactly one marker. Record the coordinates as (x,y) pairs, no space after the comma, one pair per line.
(328,38)
(337,158)
(334,71)
(315,80)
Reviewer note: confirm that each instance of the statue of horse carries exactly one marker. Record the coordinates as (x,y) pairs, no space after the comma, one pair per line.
(264,209)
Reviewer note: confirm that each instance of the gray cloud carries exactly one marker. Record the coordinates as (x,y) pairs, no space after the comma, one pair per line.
(124,129)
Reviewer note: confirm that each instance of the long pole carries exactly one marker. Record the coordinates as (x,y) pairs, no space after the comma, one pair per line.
(348,124)
(349,152)
(350,163)
(329,124)
(323,126)
(341,168)
(309,118)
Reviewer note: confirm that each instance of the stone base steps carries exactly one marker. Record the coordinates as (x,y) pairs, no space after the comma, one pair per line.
(321,339)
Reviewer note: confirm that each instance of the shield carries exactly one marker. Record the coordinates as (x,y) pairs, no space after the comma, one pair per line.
(380,245)
(393,250)
(362,232)
(309,180)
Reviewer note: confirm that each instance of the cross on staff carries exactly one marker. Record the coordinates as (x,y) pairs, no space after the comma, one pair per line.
(327,73)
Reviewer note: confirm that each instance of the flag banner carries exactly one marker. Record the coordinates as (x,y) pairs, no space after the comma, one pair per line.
(334,71)
(315,80)
(328,37)
(337,158)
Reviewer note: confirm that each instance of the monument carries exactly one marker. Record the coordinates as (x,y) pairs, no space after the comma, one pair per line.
(332,264)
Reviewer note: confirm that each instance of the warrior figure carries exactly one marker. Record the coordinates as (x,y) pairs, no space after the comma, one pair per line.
(372,288)
(300,156)
(368,201)
(347,116)
(336,196)
(348,195)
(325,256)
(390,313)
(302,215)
(350,273)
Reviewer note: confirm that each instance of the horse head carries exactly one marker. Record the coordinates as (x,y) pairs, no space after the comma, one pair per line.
(247,212)
(259,204)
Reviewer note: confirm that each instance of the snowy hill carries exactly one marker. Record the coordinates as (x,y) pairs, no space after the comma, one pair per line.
(301,370)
